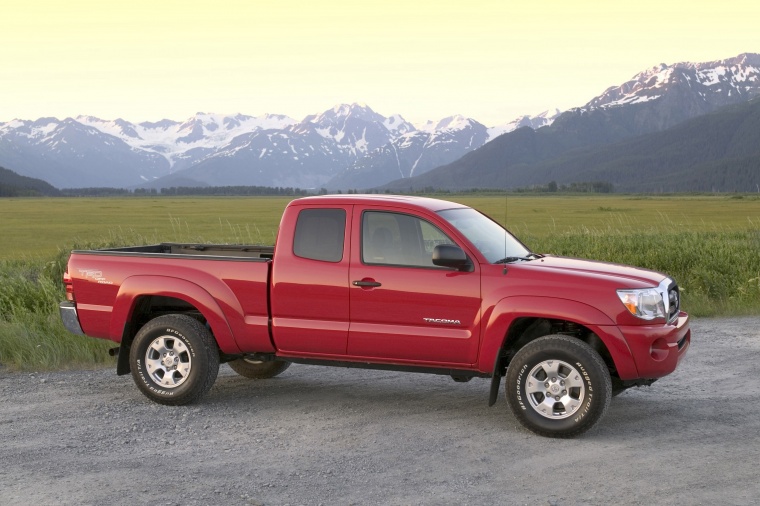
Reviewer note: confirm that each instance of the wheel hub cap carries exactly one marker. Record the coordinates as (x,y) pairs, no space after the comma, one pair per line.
(555,389)
(168,362)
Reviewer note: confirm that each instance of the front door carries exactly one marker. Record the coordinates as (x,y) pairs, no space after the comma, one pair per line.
(404,308)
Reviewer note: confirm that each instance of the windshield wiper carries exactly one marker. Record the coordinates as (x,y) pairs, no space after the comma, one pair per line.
(509,260)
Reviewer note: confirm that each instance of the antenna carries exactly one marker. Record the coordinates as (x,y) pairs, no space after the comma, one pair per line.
(505,216)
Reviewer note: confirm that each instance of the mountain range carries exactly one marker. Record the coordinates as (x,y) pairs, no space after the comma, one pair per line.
(353,147)
(218,150)
(583,141)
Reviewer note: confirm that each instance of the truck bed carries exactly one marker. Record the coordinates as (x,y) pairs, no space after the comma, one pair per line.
(110,283)
(183,250)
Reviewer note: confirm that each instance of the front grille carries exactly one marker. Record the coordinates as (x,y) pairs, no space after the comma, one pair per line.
(674,302)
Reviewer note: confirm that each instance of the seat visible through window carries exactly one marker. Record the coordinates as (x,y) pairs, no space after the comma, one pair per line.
(380,246)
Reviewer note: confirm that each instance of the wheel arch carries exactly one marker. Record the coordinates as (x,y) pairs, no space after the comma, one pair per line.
(142,298)
(527,329)
(520,320)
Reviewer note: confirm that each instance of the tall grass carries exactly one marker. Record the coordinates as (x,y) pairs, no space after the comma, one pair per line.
(717,272)
(31,333)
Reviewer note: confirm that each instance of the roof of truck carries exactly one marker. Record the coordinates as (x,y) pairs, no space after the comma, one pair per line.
(373,199)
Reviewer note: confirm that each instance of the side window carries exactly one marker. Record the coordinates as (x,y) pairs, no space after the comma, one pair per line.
(319,234)
(432,237)
(399,239)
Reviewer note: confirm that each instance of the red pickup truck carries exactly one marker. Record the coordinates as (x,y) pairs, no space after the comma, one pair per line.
(387,282)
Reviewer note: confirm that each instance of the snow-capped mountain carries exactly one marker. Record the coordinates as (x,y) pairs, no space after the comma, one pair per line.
(67,153)
(434,144)
(413,153)
(352,146)
(546,118)
(305,154)
(214,149)
(653,101)
(719,83)
(184,144)
(666,95)
(355,127)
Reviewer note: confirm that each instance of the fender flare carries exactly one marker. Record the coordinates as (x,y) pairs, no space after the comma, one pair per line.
(138,286)
(504,313)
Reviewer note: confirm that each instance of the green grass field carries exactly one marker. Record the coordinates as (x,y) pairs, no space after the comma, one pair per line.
(709,244)
(32,227)
(40,227)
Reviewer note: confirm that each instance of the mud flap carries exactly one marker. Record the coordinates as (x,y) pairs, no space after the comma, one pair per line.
(122,360)
(495,382)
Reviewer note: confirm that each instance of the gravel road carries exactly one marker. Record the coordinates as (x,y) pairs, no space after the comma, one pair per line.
(318,435)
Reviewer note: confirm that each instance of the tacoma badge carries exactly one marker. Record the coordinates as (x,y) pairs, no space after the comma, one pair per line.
(442,320)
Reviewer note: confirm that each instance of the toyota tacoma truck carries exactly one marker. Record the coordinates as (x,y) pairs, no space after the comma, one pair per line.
(386,282)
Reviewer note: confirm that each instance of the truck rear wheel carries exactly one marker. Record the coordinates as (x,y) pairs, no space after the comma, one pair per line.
(558,386)
(256,369)
(174,359)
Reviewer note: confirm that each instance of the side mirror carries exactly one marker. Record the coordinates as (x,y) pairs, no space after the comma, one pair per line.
(450,255)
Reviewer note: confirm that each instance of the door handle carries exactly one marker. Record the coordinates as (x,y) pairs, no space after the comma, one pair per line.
(365,283)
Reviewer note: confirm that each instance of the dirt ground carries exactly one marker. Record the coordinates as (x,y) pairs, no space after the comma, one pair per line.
(318,435)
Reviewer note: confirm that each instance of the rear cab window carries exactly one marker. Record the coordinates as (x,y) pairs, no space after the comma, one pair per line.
(319,234)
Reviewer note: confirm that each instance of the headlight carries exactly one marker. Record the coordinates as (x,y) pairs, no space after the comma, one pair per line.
(645,303)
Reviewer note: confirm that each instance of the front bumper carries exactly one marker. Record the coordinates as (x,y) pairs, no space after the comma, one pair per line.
(69,317)
(657,349)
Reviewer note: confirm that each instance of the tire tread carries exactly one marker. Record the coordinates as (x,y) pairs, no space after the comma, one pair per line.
(574,347)
(191,327)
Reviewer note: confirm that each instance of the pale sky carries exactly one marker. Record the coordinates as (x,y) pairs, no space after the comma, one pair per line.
(490,60)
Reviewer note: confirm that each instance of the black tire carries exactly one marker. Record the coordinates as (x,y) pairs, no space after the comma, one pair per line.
(461,379)
(256,369)
(573,375)
(174,360)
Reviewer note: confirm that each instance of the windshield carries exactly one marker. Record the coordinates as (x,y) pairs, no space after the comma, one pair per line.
(491,239)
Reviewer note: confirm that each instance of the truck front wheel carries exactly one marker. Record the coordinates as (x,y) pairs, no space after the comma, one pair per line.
(256,369)
(174,359)
(558,386)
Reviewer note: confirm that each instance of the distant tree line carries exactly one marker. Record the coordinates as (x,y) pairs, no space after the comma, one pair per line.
(578,187)
(7,190)
(371,191)
(185,191)
(234,190)
(95,192)
(550,187)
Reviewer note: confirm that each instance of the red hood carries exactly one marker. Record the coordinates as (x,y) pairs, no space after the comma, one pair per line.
(609,271)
